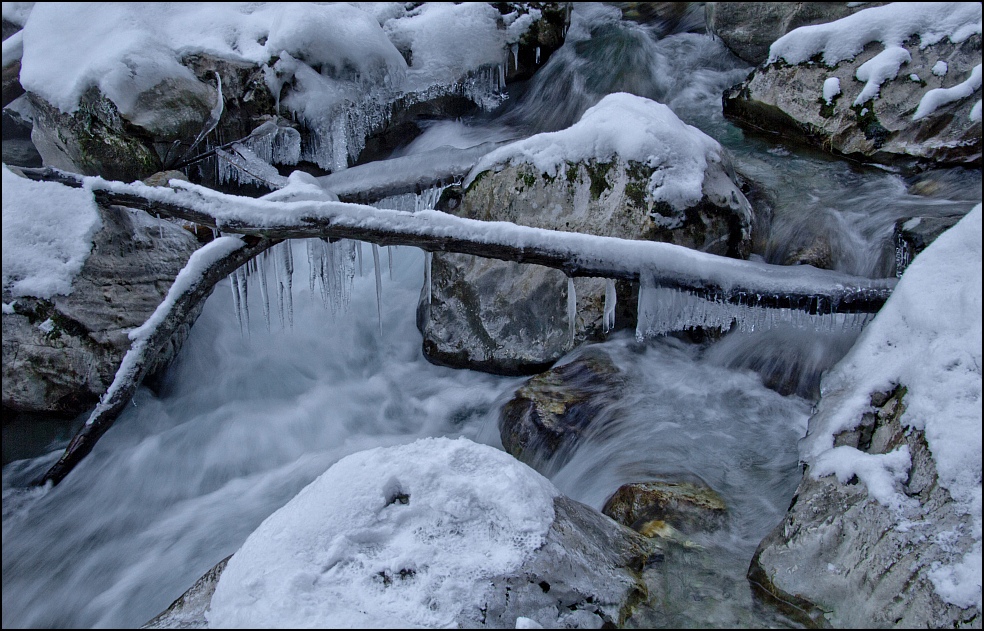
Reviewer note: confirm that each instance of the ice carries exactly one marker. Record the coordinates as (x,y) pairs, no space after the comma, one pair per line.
(236,297)
(379,286)
(428,260)
(358,250)
(264,293)
(389,255)
(571,307)
(242,166)
(287,282)
(243,287)
(608,321)
(281,146)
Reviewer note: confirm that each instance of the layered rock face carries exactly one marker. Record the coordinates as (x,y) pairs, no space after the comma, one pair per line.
(512,318)
(840,558)
(63,367)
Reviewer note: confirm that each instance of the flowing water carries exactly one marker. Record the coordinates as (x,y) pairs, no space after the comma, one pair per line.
(246,417)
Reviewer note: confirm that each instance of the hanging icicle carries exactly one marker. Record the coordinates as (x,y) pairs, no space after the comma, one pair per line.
(264,293)
(358,250)
(428,260)
(608,318)
(234,283)
(244,296)
(379,287)
(389,254)
(287,288)
(571,307)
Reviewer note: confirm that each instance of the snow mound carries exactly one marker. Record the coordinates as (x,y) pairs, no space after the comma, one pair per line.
(398,537)
(631,128)
(47,235)
(927,338)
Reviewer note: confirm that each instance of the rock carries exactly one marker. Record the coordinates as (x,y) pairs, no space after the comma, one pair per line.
(816,253)
(788,99)
(838,558)
(17,146)
(546,417)
(511,318)
(749,28)
(912,235)
(582,570)
(645,506)
(11,82)
(63,368)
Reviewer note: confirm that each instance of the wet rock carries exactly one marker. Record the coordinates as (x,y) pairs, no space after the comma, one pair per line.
(785,99)
(511,318)
(63,367)
(544,421)
(818,254)
(17,146)
(838,558)
(749,28)
(912,235)
(647,506)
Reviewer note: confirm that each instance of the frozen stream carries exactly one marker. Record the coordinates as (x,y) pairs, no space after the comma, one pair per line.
(243,422)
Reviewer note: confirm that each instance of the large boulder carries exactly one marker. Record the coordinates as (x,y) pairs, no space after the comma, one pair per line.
(750,28)
(61,352)
(436,533)
(894,93)
(630,169)
(885,526)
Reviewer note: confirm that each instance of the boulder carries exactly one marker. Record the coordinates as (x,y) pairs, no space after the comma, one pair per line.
(61,353)
(394,547)
(512,318)
(648,507)
(840,558)
(820,99)
(912,235)
(749,28)
(544,420)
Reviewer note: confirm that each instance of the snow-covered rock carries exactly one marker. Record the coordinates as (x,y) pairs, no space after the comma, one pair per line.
(76,279)
(885,527)
(436,533)
(750,28)
(871,85)
(629,168)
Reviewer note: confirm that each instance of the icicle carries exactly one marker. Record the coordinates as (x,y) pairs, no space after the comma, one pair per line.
(389,253)
(288,263)
(571,307)
(160,227)
(234,282)
(515,53)
(244,296)
(502,76)
(264,293)
(215,233)
(608,320)
(312,265)
(279,283)
(538,55)
(428,260)
(379,287)
(358,250)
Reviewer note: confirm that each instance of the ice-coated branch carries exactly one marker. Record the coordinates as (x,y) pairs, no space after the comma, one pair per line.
(207,266)
(714,277)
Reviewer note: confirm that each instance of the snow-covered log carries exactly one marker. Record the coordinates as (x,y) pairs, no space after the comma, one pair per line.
(748,283)
(206,267)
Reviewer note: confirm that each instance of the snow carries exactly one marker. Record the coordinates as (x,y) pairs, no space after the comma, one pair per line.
(626,127)
(927,338)
(940,68)
(890,24)
(939,97)
(879,69)
(13,48)
(402,536)
(831,88)
(975,112)
(17,12)
(47,235)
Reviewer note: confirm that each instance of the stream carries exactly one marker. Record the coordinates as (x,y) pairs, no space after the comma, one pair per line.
(245,419)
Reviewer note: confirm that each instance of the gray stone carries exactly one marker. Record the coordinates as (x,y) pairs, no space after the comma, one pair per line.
(838,558)
(543,422)
(750,28)
(511,318)
(585,575)
(788,100)
(64,370)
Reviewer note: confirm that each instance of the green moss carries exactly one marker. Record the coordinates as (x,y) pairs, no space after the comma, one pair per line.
(637,188)
(478,178)
(869,124)
(598,173)
(571,173)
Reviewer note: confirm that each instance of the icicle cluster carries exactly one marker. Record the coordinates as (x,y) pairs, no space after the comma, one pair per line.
(664,310)
(240,165)
(281,147)
(903,255)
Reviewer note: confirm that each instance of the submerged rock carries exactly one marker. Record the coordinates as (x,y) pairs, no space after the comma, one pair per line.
(60,354)
(646,506)
(544,421)
(875,106)
(512,318)
(426,509)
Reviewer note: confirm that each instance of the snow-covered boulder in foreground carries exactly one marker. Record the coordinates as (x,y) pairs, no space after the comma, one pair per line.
(76,279)
(629,168)
(885,527)
(899,83)
(437,533)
